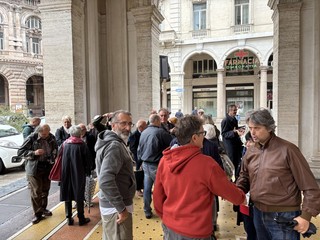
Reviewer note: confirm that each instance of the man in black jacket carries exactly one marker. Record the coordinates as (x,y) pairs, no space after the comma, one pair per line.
(231,134)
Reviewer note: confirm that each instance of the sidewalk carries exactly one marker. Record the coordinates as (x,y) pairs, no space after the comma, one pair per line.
(16,212)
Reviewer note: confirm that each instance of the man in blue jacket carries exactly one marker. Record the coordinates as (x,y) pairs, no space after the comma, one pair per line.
(153,141)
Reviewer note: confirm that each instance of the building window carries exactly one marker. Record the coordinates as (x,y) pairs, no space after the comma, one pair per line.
(199,16)
(32,2)
(1,33)
(204,68)
(33,23)
(241,12)
(1,41)
(33,35)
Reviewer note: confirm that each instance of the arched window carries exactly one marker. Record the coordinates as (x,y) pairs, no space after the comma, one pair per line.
(33,35)
(1,33)
(33,23)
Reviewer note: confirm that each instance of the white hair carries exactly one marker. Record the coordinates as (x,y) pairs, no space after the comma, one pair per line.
(211,132)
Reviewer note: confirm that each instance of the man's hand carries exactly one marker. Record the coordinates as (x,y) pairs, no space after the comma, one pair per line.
(303,225)
(39,152)
(122,216)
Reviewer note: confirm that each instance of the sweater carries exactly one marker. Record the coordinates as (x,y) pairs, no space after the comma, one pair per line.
(185,186)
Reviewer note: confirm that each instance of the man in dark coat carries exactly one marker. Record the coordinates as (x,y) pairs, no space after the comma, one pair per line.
(76,165)
(231,137)
(62,133)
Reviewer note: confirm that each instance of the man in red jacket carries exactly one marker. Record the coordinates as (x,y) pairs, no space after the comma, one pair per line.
(187,182)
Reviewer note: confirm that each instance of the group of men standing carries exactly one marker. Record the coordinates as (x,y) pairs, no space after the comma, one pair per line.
(186,181)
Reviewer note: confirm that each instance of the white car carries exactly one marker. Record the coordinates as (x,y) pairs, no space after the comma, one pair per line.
(10,141)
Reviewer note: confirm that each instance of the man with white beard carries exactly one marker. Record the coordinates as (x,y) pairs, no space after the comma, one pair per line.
(116,178)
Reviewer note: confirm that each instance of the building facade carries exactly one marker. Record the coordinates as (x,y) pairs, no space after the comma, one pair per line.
(219,53)
(101,55)
(21,69)
(251,53)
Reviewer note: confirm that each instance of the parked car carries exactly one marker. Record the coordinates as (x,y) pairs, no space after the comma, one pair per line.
(10,141)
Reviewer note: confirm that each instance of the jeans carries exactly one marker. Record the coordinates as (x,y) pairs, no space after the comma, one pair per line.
(267,228)
(171,235)
(150,171)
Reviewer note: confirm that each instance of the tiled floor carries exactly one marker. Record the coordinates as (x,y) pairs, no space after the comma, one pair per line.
(144,229)
(151,228)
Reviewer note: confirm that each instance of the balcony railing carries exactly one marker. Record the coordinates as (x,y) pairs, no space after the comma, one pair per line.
(200,33)
(245,28)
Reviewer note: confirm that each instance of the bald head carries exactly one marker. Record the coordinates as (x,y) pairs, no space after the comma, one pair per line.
(141,125)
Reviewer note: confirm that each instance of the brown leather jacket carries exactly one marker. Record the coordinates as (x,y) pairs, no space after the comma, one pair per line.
(275,174)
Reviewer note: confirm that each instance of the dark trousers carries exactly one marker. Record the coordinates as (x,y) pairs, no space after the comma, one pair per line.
(39,191)
(80,209)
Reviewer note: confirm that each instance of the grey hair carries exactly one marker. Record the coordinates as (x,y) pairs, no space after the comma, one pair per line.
(154,118)
(116,114)
(75,131)
(262,117)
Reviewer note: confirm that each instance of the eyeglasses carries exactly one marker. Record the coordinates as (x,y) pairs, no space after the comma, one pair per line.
(203,133)
(124,124)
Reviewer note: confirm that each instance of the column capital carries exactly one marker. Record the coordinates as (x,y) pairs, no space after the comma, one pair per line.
(176,74)
(147,13)
(264,68)
(273,4)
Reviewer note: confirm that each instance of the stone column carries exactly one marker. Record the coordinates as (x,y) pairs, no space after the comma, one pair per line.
(263,86)
(221,96)
(286,58)
(93,63)
(64,60)
(147,20)
(164,93)
(177,91)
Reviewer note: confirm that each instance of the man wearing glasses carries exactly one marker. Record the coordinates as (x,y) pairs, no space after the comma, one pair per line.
(116,178)
(186,184)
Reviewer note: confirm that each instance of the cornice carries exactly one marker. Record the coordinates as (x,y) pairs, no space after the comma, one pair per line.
(273,3)
(17,61)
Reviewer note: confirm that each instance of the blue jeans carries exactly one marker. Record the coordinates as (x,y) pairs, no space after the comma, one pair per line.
(150,171)
(267,228)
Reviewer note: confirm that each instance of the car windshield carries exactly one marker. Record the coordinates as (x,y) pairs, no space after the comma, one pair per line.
(8,131)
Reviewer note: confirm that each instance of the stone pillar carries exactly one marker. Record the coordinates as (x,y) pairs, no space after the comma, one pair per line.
(177,92)
(147,20)
(93,63)
(164,94)
(221,96)
(286,58)
(64,60)
(263,86)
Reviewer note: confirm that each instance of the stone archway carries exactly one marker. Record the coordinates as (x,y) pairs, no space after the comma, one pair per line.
(4,91)
(35,96)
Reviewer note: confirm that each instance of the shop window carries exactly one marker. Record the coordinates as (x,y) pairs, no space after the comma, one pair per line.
(199,16)
(206,99)
(241,12)
(242,98)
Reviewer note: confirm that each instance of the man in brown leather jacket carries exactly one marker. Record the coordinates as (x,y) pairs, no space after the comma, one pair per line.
(276,172)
